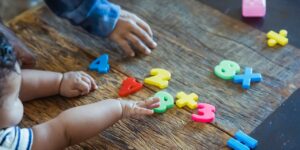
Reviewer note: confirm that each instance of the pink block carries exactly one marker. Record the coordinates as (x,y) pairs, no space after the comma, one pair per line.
(254,8)
(206,113)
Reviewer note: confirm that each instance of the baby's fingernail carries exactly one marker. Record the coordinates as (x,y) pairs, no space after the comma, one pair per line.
(152,112)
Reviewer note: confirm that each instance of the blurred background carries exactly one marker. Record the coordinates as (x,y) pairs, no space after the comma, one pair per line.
(281,14)
(11,8)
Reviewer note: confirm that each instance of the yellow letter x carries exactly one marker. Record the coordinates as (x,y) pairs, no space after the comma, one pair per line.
(189,100)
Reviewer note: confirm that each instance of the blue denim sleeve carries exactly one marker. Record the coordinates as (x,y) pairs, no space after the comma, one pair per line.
(98,17)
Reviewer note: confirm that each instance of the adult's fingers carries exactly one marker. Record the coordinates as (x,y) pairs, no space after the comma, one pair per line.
(138,44)
(126,47)
(143,36)
(144,26)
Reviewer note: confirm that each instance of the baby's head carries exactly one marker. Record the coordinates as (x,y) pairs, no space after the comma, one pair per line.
(11,108)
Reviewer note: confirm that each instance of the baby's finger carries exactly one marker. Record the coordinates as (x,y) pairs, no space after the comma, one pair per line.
(94,84)
(73,93)
(83,73)
(144,36)
(155,105)
(83,87)
(148,102)
(152,101)
(155,99)
(138,44)
(126,47)
(88,81)
(144,111)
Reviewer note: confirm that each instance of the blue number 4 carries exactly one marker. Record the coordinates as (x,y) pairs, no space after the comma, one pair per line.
(101,64)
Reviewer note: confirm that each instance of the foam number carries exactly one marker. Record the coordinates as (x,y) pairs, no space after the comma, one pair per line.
(227,69)
(206,113)
(101,64)
(166,102)
(242,141)
(129,86)
(160,78)
(187,100)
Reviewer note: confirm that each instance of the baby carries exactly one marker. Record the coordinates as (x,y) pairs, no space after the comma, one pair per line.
(71,126)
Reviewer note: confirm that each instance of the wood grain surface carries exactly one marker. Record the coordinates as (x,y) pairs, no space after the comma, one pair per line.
(192,39)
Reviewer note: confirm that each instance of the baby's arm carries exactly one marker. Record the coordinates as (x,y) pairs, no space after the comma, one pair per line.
(36,84)
(80,123)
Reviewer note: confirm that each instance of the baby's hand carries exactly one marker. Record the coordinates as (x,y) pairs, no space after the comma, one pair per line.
(131,31)
(138,109)
(76,83)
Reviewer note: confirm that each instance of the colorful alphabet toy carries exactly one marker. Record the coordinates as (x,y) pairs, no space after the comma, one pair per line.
(227,69)
(275,38)
(166,102)
(129,86)
(160,78)
(101,64)
(187,100)
(247,78)
(242,141)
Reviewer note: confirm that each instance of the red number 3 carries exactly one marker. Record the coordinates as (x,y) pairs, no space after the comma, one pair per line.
(206,113)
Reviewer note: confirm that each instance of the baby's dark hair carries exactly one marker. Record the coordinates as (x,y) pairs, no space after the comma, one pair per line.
(7,58)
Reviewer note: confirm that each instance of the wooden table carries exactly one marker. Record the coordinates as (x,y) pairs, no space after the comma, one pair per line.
(192,39)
